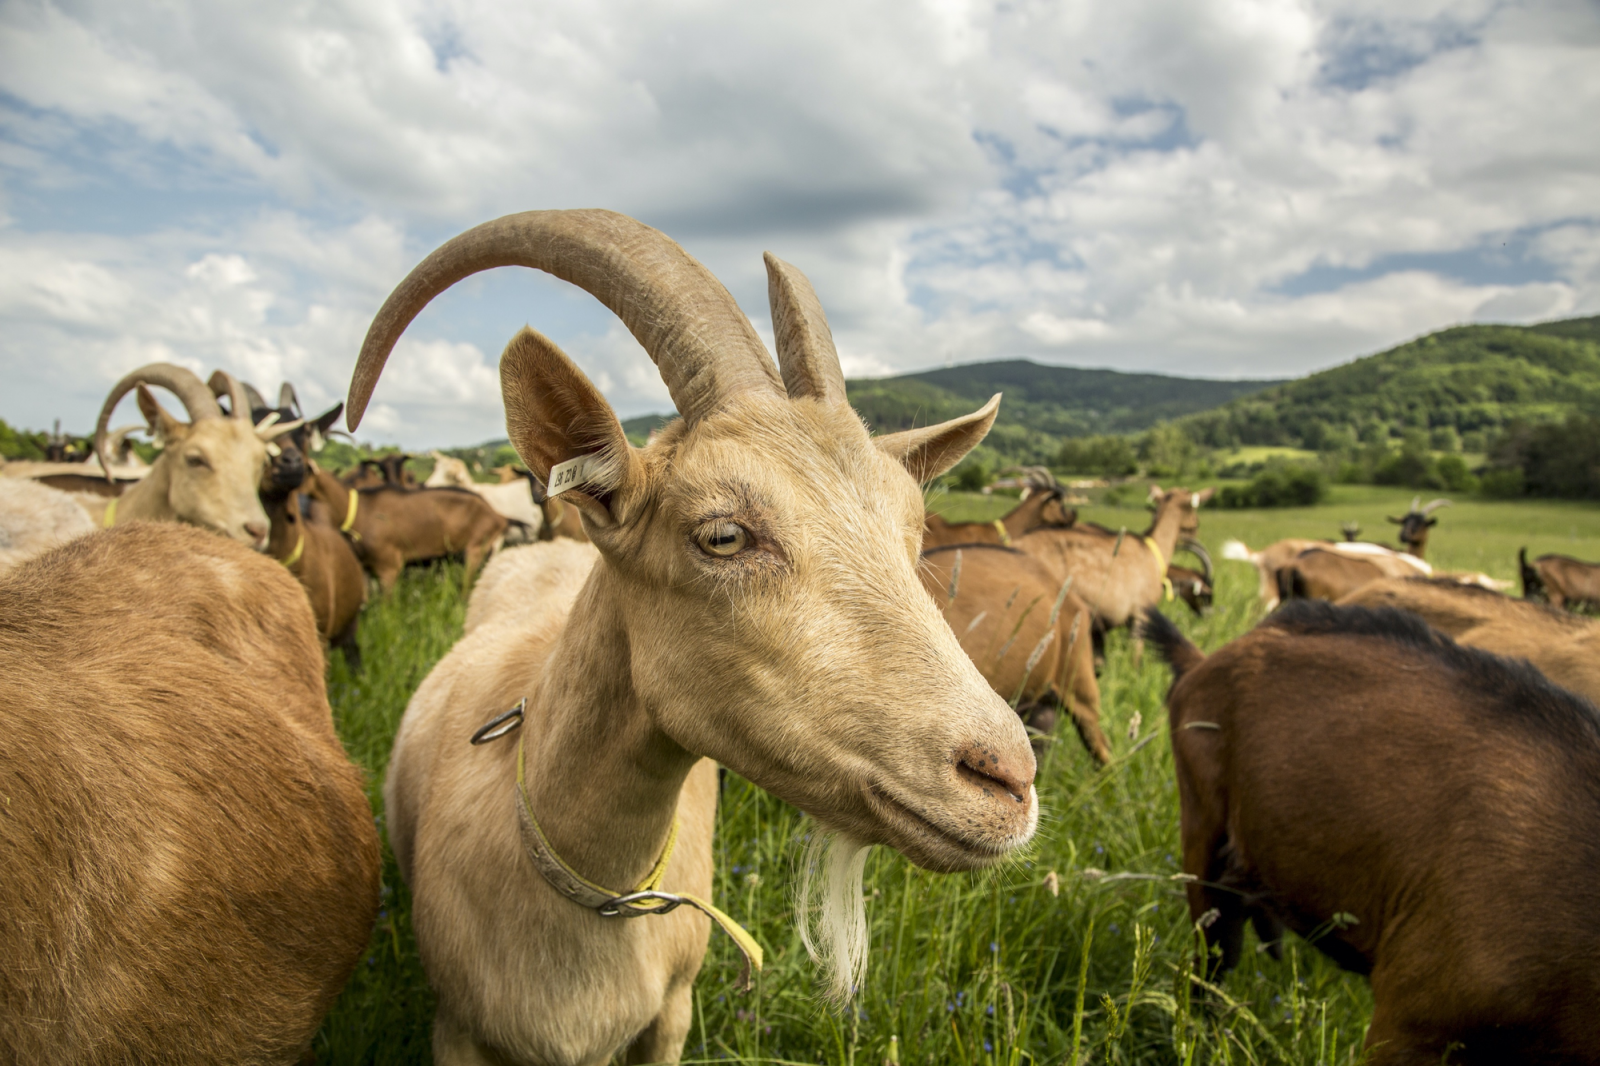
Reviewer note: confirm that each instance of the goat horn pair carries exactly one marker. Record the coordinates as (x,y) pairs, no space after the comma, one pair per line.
(1198,550)
(181,382)
(223,384)
(687,322)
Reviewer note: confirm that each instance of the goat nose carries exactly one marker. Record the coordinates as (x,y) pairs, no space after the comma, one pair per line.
(257,530)
(983,766)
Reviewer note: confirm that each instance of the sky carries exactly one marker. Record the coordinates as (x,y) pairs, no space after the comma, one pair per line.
(1214,188)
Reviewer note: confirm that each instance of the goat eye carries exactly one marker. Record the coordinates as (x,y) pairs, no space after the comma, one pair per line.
(196,460)
(723,539)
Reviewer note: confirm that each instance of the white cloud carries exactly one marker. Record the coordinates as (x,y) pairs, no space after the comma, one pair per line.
(1207,186)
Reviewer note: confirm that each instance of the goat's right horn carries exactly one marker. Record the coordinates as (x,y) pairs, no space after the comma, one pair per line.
(1436,504)
(223,384)
(1198,550)
(806,355)
(287,398)
(180,381)
(689,324)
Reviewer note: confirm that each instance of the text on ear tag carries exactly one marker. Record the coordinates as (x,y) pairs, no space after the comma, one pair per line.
(572,473)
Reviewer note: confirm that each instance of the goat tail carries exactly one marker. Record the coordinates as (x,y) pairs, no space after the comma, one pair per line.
(1170,644)
(1532,584)
(1237,551)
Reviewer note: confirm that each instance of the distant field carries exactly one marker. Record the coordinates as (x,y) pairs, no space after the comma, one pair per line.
(1471,535)
(990,968)
(1260,454)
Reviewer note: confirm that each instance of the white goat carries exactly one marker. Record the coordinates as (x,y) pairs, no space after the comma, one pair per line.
(36,518)
(512,499)
(755,601)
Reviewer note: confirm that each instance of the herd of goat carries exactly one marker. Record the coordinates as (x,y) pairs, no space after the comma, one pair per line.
(1400,765)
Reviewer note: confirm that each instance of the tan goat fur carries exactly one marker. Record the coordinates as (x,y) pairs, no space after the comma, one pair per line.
(1118,581)
(1566,647)
(755,601)
(191,866)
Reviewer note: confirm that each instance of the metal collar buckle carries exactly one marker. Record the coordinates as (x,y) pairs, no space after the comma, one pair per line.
(628,906)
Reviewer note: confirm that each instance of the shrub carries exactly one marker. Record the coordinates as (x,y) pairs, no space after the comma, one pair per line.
(1107,456)
(1279,485)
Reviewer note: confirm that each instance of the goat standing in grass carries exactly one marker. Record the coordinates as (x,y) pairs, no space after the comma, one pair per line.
(1424,813)
(1025,631)
(191,866)
(1119,574)
(755,601)
(1561,579)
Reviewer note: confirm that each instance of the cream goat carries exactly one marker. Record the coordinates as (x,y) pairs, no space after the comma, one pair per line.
(754,601)
(513,500)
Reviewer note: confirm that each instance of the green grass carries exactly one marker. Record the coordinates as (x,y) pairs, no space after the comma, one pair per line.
(989,968)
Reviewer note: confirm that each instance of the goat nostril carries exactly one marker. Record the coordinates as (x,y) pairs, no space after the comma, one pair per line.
(983,767)
(256,530)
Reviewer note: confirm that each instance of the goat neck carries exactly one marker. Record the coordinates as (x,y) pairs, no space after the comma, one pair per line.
(602,778)
(1176,517)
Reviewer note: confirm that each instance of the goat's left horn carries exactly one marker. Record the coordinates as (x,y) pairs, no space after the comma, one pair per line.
(1436,504)
(1198,550)
(680,313)
(806,355)
(225,384)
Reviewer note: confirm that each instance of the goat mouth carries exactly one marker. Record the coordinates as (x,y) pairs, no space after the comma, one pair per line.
(929,844)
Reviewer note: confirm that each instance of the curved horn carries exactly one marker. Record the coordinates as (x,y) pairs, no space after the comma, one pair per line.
(691,327)
(1436,504)
(806,356)
(1198,550)
(1415,500)
(180,381)
(117,439)
(225,384)
(287,398)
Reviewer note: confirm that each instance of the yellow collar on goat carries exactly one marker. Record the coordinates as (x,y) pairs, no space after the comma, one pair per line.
(110,518)
(299,546)
(1161,565)
(350,515)
(1000,528)
(645,898)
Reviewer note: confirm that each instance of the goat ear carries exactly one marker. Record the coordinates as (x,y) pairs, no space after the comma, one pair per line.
(1396,521)
(927,453)
(554,413)
(1204,496)
(162,425)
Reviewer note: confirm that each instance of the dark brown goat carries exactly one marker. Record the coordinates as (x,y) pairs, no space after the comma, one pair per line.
(1561,579)
(1028,635)
(391,527)
(191,866)
(1415,524)
(1041,508)
(388,470)
(319,556)
(1193,587)
(1422,812)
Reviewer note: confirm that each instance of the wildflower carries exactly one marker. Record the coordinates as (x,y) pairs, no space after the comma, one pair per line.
(1133,725)
(1052,882)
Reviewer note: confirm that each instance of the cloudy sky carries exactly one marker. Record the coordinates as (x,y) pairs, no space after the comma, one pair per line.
(1224,188)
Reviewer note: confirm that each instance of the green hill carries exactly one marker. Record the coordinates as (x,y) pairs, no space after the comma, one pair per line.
(1473,380)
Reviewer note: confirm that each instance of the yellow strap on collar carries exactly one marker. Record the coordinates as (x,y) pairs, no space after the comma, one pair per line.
(1161,565)
(299,546)
(1000,528)
(110,518)
(350,514)
(646,899)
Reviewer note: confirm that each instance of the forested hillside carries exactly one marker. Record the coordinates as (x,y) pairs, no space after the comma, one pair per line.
(1473,380)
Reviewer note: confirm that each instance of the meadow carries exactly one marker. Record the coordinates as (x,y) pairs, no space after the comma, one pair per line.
(1078,951)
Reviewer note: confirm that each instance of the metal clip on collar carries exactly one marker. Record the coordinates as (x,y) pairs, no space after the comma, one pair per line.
(628,906)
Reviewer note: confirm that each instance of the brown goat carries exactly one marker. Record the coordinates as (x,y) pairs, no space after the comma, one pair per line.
(1561,579)
(1024,630)
(1422,812)
(318,555)
(392,527)
(191,866)
(1042,508)
(1415,524)
(1564,646)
